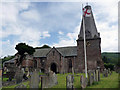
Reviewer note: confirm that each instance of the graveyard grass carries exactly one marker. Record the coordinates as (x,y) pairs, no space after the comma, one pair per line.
(105,82)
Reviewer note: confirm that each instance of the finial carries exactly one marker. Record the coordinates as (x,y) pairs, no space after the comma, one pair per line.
(87,3)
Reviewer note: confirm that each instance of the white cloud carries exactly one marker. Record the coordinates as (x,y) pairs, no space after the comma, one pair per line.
(8,48)
(69,40)
(45,34)
(60,32)
(32,15)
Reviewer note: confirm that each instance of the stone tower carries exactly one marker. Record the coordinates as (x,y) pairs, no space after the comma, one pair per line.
(93,43)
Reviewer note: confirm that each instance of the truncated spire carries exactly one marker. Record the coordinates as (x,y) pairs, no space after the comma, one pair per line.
(90,27)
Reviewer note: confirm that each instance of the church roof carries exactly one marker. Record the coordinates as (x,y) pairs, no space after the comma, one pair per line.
(90,26)
(65,51)
(68,51)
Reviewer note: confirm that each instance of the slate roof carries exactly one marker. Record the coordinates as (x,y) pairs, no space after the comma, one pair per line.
(90,26)
(10,61)
(68,51)
(65,51)
(41,52)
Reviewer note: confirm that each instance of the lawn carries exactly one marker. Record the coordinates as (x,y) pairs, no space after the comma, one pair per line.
(105,82)
(108,82)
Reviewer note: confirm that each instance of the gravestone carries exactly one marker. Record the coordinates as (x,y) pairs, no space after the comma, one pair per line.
(18,75)
(96,71)
(109,70)
(94,76)
(83,81)
(49,80)
(69,82)
(53,79)
(90,77)
(106,73)
(99,75)
(34,80)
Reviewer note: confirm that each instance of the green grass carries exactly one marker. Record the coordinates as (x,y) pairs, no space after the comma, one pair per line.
(62,80)
(105,82)
(13,86)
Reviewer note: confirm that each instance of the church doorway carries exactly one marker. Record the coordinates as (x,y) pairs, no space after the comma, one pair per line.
(54,67)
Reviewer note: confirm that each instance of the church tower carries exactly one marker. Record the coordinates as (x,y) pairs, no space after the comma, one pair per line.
(93,43)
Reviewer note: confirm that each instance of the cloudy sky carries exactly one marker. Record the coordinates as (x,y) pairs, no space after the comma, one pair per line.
(54,23)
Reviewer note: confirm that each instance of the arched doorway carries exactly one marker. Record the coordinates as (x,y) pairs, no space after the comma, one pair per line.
(54,67)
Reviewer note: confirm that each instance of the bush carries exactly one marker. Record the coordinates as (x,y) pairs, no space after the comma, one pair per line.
(109,65)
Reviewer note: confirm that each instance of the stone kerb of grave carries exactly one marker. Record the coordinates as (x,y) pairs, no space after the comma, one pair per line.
(20,86)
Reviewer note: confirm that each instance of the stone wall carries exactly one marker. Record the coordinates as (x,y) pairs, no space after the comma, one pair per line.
(94,58)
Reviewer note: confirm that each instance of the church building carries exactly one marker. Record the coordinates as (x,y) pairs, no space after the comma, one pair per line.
(71,59)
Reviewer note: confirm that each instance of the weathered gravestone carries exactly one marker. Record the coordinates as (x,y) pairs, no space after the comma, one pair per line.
(18,75)
(96,71)
(49,80)
(94,76)
(105,73)
(98,74)
(90,78)
(83,81)
(69,82)
(34,80)
(109,70)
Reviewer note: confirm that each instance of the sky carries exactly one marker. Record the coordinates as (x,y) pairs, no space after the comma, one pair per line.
(55,23)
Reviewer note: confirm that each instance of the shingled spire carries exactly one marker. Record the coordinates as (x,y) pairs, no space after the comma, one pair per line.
(93,43)
(90,27)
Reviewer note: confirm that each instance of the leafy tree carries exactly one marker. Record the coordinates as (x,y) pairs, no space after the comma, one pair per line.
(105,59)
(109,65)
(22,48)
(44,46)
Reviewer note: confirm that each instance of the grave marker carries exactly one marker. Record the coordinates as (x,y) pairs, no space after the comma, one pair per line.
(34,80)
(69,82)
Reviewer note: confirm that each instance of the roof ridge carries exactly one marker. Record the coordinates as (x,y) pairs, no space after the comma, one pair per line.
(43,48)
(65,47)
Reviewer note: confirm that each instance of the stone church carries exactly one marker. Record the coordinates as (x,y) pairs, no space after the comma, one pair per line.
(70,59)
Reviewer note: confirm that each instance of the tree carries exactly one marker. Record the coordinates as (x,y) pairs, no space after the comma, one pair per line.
(22,48)
(44,46)
(105,59)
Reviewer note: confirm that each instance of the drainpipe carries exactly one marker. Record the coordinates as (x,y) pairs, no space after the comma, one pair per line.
(73,65)
(63,66)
